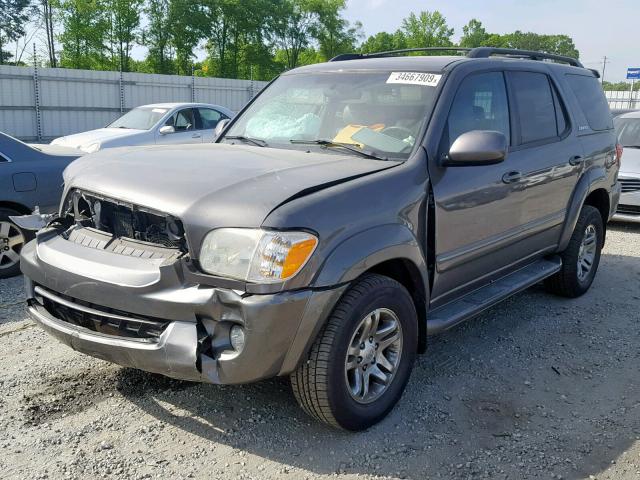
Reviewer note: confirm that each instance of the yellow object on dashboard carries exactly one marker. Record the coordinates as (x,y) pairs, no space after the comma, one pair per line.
(345,135)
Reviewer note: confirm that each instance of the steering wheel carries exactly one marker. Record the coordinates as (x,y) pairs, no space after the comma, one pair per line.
(397,132)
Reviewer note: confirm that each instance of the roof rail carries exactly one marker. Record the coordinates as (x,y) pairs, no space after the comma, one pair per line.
(391,53)
(478,52)
(486,52)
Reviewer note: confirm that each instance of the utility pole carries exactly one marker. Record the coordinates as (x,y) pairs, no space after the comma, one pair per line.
(604,68)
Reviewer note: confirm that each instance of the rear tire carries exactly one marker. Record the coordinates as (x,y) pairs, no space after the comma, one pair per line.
(12,239)
(581,258)
(361,361)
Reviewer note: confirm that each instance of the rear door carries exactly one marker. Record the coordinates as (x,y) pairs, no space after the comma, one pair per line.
(545,161)
(206,121)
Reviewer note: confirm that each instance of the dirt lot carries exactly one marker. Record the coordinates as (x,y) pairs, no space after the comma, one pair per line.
(538,387)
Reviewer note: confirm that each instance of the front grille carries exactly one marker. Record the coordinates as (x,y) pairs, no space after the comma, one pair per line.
(99,319)
(628,209)
(630,185)
(125,220)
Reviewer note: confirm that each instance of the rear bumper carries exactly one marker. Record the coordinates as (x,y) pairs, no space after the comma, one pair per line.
(195,344)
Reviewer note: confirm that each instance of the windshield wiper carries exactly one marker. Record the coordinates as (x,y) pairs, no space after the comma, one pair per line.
(255,141)
(346,146)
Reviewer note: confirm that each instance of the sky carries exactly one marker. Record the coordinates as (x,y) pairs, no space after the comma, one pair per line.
(598,28)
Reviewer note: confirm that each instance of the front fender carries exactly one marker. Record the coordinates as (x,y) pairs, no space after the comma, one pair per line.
(368,248)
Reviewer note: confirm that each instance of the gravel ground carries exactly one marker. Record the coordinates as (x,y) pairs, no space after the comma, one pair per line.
(538,387)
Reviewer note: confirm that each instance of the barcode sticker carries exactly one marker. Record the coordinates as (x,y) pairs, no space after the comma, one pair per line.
(415,78)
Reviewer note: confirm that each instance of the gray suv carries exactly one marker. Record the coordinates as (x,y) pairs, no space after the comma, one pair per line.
(350,211)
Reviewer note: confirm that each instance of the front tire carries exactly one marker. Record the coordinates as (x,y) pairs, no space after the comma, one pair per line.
(581,258)
(361,361)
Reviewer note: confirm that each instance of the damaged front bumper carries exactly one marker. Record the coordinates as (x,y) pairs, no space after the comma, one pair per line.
(144,313)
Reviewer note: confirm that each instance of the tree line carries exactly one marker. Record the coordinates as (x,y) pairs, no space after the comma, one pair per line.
(241,38)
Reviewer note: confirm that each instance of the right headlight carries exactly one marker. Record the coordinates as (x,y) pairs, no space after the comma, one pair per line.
(256,255)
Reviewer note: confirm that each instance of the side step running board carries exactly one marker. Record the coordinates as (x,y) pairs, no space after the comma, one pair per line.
(453,313)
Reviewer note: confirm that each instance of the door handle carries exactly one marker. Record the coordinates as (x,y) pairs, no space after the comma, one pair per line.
(576,160)
(512,177)
(195,135)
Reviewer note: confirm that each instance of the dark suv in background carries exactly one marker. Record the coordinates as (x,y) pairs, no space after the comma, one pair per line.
(350,211)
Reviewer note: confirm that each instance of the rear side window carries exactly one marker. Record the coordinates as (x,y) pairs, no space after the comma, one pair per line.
(592,102)
(3,159)
(480,104)
(536,108)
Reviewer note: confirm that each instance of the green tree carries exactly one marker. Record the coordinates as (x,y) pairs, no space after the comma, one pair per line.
(48,17)
(124,18)
(157,37)
(14,14)
(187,29)
(85,33)
(333,32)
(473,34)
(558,44)
(427,29)
(294,22)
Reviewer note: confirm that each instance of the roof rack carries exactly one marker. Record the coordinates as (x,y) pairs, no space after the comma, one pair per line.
(486,52)
(392,53)
(479,52)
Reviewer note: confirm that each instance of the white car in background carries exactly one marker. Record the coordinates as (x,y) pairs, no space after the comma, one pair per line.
(156,124)
(628,130)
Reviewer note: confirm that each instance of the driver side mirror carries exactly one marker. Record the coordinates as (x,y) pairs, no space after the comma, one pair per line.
(478,147)
(220,127)
(166,129)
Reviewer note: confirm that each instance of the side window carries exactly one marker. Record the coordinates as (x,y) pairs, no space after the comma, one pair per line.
(561,113)
(480,104)
(535,106)
(182,121)
(3,159)
(209,118)
(592,101)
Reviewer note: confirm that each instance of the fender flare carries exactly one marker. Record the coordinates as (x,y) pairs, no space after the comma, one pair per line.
(368,248)
(587,184)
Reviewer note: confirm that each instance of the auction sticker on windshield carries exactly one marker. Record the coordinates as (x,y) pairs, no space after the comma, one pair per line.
(415,78)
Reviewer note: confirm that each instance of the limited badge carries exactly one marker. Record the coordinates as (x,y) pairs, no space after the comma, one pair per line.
(415,78)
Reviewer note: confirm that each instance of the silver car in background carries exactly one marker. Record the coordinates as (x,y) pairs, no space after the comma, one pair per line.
(628,130)
(156,124)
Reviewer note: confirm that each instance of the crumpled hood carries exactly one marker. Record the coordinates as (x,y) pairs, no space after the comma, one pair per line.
(630,162)
(85,139)
(213,185)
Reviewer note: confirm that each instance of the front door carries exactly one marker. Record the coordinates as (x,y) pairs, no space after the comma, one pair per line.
(476,212)
(184,125)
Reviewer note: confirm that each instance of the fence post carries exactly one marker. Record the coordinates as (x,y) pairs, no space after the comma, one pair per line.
(36,95)
(193,86)
(121,86)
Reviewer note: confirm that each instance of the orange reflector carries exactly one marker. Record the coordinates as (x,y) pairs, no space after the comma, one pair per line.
(298,254)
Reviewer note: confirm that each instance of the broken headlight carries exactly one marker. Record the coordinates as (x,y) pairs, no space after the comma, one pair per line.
(256,255)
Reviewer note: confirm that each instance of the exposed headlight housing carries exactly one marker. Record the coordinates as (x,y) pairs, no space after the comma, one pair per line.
(94,147)
(256,255)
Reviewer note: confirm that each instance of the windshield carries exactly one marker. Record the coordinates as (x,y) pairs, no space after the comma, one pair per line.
(628,130)
(377,112)
(141,118)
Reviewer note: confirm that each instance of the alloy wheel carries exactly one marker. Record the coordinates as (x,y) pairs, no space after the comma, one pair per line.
(11,243)
(373,355)
(587,252)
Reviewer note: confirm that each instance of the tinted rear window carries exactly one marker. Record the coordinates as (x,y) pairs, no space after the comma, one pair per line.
(536,108)
(591,99)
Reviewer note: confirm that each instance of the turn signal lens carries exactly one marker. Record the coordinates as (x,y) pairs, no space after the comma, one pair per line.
(256,255)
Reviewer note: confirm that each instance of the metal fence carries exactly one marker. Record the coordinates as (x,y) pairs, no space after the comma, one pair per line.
(623,99)
(38,104)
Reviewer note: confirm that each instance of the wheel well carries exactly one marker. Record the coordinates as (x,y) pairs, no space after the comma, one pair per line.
(406,273)
(16,206)
(600,199)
